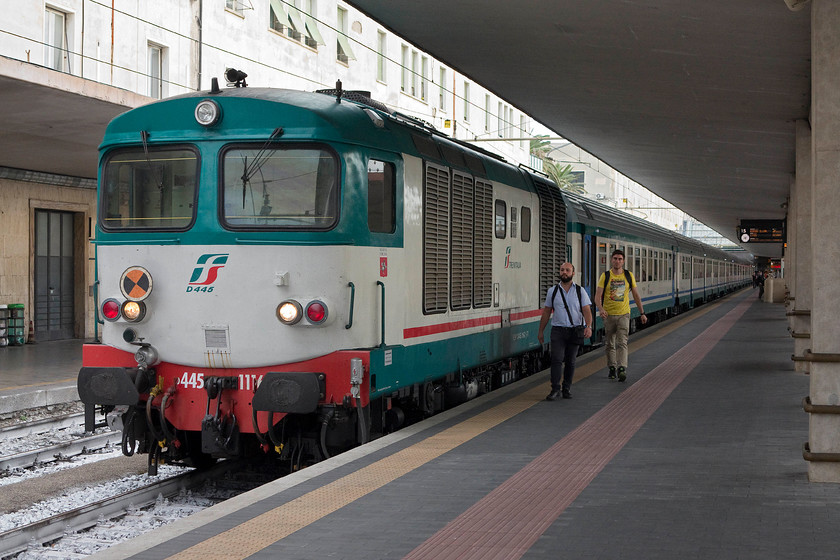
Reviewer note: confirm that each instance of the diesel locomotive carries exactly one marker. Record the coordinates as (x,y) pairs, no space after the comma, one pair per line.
(292,273)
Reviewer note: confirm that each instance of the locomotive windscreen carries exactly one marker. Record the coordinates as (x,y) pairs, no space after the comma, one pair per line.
(289,188)
(153,189)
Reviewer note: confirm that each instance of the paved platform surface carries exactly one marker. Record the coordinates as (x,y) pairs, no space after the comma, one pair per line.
(39,374)
(697,456)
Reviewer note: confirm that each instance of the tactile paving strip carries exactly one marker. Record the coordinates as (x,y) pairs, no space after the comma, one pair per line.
(260,532)
(505,523)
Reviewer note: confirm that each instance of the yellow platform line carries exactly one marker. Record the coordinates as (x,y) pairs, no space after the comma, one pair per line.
(264,530)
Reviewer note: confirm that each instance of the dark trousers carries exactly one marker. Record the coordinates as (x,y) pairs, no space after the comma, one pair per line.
(564,349)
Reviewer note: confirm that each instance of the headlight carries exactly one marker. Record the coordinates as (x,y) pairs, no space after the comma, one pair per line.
(136,283)
(133,311)
(289,312)
(207,113)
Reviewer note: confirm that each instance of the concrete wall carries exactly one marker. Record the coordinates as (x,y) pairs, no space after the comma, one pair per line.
(18,202)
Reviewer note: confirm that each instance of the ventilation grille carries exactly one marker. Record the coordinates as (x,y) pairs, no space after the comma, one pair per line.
(462,241)
(552,234)
(483,238)
(436,239)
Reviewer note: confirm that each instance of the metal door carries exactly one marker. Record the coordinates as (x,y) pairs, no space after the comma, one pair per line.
(53,275)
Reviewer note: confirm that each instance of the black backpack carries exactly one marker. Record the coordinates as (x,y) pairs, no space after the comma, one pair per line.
(607,276)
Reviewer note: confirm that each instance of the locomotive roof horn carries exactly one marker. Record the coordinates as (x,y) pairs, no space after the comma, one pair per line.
(235,78)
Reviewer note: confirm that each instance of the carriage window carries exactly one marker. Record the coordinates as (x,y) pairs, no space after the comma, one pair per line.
(638,260)
(525,225)
(153,189)
(656,274)
(501,219)
(381,189)
(288,188)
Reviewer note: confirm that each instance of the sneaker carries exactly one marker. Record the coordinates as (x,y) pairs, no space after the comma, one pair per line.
(622,375)
(567,395)
(612,373)
(553,395)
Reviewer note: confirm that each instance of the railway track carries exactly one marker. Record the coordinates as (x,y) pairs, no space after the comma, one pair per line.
(65,439)
(18,539)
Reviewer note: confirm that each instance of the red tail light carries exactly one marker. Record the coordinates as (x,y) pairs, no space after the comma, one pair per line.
(111,309)
(316,312)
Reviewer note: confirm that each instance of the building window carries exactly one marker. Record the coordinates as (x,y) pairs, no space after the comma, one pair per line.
(235,6)
(381,55)
(523,126)
(156,56)
(294,21)
(343,51)
(500,116)
(404,78)
(415,72)
(442,100)
(466,101)
(424,80)
(55,39)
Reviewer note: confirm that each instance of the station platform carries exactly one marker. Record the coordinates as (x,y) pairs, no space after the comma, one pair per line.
(697,456)
(39,374)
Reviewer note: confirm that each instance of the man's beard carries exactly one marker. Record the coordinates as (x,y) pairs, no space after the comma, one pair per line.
(565,279)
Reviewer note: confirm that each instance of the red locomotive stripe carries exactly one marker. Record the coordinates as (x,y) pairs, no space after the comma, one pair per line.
(414,332)
(513,516)
(525,315)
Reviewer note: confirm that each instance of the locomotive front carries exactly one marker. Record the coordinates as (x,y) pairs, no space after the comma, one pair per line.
(225,234)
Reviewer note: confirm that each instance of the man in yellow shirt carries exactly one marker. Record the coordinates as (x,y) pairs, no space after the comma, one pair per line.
(612,298)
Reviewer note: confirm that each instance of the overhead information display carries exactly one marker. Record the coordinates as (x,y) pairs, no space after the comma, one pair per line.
(761,231)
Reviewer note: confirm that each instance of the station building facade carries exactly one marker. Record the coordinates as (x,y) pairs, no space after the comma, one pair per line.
(95,59)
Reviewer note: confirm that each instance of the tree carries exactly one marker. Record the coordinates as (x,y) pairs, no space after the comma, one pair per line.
(565,178)
(540,147)
(563,175)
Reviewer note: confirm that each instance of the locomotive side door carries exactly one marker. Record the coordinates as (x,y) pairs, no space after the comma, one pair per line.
(588,268)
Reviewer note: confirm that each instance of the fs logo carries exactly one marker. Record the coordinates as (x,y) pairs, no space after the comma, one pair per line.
(206,272)
(509,263)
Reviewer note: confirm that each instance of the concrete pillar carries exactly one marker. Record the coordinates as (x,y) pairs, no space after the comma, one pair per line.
(824,430)
(799,224)
(789,262)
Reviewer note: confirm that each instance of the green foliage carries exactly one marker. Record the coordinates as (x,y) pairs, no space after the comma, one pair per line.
(563,175)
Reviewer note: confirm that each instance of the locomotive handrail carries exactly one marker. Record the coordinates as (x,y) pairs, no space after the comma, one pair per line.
(352,298)
(381,283)
(96,302)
